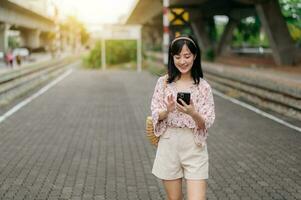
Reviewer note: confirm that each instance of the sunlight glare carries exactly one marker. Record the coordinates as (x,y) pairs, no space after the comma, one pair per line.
(95,11)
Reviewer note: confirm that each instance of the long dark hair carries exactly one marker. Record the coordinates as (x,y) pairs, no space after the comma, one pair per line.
(175,48)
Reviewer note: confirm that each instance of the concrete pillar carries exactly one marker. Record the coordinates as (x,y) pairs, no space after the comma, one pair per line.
(277,31)
(147,38)
(199,27)
(4,37)
(31,37)
(43,40)
(157,36)
(64,43)
(226,37)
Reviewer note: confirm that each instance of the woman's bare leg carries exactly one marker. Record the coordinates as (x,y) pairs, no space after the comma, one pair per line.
(173,189)
(196,189)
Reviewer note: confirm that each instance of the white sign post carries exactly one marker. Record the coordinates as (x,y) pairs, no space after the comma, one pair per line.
(103,54)
(122,32)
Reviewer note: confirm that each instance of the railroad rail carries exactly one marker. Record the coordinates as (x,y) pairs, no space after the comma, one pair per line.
(18,82)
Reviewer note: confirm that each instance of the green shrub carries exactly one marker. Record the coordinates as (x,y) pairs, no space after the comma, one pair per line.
(209,54)
(93,59)
(121,51)
(117,52)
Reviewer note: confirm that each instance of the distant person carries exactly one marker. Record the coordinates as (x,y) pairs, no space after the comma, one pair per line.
(9,57)
(182,122)
(18,59)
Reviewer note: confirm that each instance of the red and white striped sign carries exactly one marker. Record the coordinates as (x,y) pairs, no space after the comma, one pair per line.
(165,30)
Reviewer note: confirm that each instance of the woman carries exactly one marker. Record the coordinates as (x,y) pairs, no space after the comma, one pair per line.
(182,127)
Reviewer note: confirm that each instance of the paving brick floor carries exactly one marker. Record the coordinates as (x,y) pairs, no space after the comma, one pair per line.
(84,139)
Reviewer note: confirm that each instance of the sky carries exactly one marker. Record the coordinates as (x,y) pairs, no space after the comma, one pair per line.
(96,11)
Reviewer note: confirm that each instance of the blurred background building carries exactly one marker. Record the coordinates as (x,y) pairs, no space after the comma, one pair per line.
(38,26)
(43,7)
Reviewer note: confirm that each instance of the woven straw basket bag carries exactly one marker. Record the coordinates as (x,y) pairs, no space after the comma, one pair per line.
(153,139)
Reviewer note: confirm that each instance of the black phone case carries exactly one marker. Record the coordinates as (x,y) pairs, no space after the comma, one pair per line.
(184,96)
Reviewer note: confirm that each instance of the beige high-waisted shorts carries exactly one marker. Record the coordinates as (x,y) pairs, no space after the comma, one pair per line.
(178,156)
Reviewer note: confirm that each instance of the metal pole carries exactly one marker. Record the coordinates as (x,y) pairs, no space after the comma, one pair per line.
(103,53)
(165,30)
(139,52)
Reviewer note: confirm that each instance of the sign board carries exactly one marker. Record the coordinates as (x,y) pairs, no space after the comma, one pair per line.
(121,32)
(178,16)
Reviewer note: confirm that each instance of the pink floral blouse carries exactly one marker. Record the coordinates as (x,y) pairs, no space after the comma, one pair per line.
(203,102)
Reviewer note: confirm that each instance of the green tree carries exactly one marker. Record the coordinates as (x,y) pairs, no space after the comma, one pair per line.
(74,26)
(247,33)
(248,30)
(93,59)
(13,42)
(291,10)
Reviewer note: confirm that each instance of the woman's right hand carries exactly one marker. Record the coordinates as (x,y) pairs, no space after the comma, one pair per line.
(170,103)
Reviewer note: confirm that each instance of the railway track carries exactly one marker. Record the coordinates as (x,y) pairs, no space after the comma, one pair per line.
(16,83)
(279,102)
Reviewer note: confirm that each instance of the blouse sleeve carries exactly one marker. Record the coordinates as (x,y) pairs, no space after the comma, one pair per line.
(206,110)
(157,105)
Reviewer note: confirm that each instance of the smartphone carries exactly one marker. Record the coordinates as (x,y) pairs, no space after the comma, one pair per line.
(184,96)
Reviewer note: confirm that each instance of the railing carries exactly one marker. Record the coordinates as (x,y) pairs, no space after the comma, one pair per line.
(16,83)
(264,91)
(249,50)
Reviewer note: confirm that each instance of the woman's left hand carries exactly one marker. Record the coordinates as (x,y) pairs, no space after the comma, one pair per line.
(187,109)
